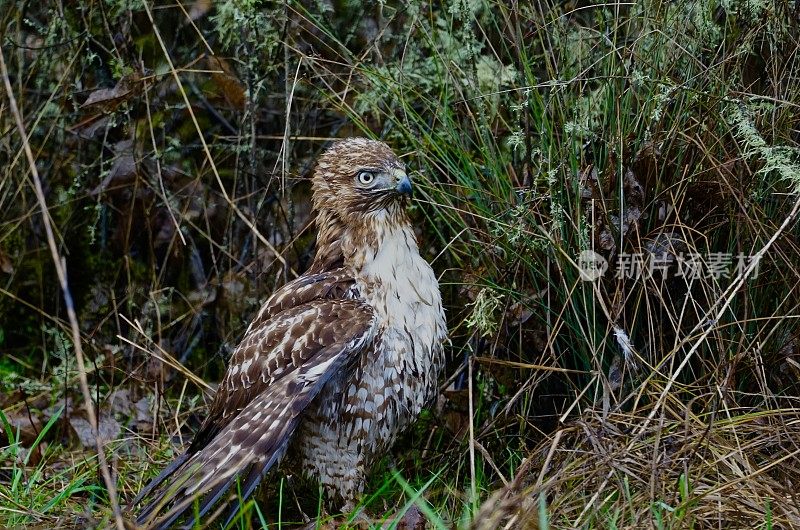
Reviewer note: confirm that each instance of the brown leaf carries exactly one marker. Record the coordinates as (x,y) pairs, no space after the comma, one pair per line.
(123,171)
(633,193)
(104,95)
(108,99)
(634,200)
(5,263)
(92,126)
(144,415)
(452,407)
(411,520)
(28,425)
(229,86)
(109,429)
(518,313)
(647,164)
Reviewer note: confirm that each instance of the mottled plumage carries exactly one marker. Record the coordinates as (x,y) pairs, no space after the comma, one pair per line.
(336,363)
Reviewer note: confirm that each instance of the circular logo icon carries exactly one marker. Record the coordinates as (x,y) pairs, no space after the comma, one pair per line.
(591,265)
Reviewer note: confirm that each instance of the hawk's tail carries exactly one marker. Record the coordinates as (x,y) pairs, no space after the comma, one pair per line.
(243,451)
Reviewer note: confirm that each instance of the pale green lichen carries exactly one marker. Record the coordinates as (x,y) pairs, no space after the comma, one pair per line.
(778,159)
(484,318)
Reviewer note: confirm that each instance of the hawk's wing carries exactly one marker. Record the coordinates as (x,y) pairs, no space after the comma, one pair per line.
(300,338)
(266,352)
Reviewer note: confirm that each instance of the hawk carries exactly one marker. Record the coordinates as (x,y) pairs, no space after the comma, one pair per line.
(335,364)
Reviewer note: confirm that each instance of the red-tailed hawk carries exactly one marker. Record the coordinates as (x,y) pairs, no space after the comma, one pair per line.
(335,364)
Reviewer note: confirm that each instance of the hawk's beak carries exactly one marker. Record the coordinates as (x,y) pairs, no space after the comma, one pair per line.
(403,185)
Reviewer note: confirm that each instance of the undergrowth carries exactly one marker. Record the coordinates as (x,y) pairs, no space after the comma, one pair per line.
(658,139)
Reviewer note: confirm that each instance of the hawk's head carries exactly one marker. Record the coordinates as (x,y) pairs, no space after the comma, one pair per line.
(357,178)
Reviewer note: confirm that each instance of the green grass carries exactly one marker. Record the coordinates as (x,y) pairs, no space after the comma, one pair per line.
(34,490)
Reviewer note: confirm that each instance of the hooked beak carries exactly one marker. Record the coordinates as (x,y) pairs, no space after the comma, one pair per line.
(403,184)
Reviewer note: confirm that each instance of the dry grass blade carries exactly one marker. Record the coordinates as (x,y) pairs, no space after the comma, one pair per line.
(210,158)
(691,468)
(60,266)
(719,307)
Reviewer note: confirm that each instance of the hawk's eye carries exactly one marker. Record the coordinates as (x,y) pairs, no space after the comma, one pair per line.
(365,178)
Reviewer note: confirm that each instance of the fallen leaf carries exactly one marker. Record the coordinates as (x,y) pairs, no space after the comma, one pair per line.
(64,403)
(615,373)
(119,401)
(589,187)
(123,171)
(28,426)
(144,415)
(109,429)
(633,193)
(452,408)
(5,263)
(108,99)
(411,520)
(234,291)
(92,126)
(229,85)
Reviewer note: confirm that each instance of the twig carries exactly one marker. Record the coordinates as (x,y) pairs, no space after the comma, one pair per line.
(60,265)
(207,151)
(716,310)
(164,356)
(473,488)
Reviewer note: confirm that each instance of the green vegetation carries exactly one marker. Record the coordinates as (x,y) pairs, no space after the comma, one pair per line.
(173,142)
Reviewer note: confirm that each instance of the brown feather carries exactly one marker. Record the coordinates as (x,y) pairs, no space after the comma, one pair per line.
(260,352)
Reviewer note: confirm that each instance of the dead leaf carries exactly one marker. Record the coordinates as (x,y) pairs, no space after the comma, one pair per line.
(647,164)
(411,520)
(109,429)
(634,200)
(63,406)
(665,248)
(234,291)
(452,408)
(119,401)
(144,415)
(5,263)
(123,171)
(615,373)
(229,85)
(518,313)
(589,187)
(91,127)
(28,425)
(633,194)
(606,240)
(108,99)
